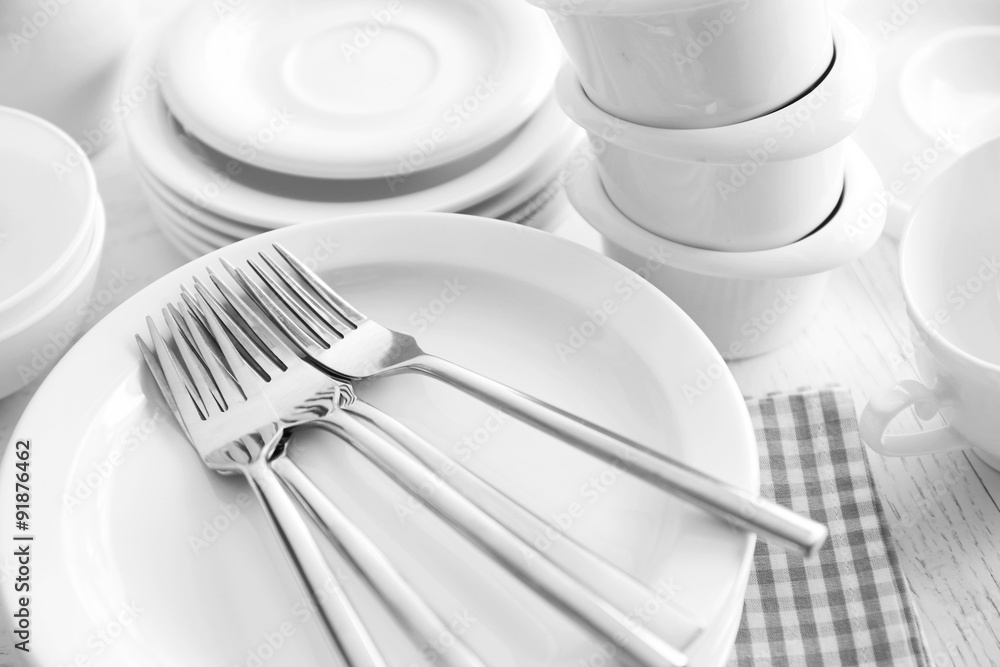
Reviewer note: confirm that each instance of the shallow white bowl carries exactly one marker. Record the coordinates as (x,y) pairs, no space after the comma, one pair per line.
(748,303)
(758,185)
(49,205)
(694,63)
(32,345)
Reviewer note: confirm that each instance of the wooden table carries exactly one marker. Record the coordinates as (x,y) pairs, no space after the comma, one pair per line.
(943,509)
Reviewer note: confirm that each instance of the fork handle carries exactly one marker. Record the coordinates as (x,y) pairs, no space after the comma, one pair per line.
(338,615)
(677,626)
(416,616)
(743,509)
(639,645)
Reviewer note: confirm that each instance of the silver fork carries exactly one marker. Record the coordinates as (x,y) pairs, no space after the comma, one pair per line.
(591,591)
(353,348)
(204,340)
(222,421)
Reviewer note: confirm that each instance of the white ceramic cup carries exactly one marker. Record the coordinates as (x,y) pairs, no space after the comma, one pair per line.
(950,271)
(694,63)
(747,303)
(757,185)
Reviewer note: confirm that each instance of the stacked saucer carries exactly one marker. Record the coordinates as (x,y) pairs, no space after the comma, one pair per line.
(51,235)
(720,142)
(261,116)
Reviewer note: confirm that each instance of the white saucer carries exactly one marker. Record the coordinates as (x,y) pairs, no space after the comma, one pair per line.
(128,543)
(267,200)
(357,90)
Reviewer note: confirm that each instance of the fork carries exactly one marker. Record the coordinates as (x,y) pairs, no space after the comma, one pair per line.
(500,527)
(232,381)
(350,347)
(214,416)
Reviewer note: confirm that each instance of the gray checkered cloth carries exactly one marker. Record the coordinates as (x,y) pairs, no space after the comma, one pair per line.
(852,604)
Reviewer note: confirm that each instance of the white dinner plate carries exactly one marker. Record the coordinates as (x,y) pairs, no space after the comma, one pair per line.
(266,199)
(129,526)
(354,90)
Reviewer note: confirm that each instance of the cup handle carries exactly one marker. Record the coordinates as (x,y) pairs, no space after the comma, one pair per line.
(884,407)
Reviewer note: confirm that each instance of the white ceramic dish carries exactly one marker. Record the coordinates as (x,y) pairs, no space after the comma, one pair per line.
(132,535)
(269,200)
(223,231)
(747,303)
(29,346)
(758,185)
(49,207)
(695,63)
(305,90)
(907,158)
(949,271)
(60,60)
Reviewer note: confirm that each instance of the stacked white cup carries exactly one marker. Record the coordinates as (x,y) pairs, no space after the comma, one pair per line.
(719,132)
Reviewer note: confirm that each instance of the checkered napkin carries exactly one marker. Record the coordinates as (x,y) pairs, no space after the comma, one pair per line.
(851,605)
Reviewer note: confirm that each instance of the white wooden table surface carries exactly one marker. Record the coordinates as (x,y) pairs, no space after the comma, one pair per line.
(944,510)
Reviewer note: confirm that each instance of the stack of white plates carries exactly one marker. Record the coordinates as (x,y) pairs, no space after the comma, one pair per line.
(264,116)
(51,234)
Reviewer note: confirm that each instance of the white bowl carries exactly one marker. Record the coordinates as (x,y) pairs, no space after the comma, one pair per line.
(758,185)
(49,209)
(60,60)
(31,346)
(748,303)
(694,63)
